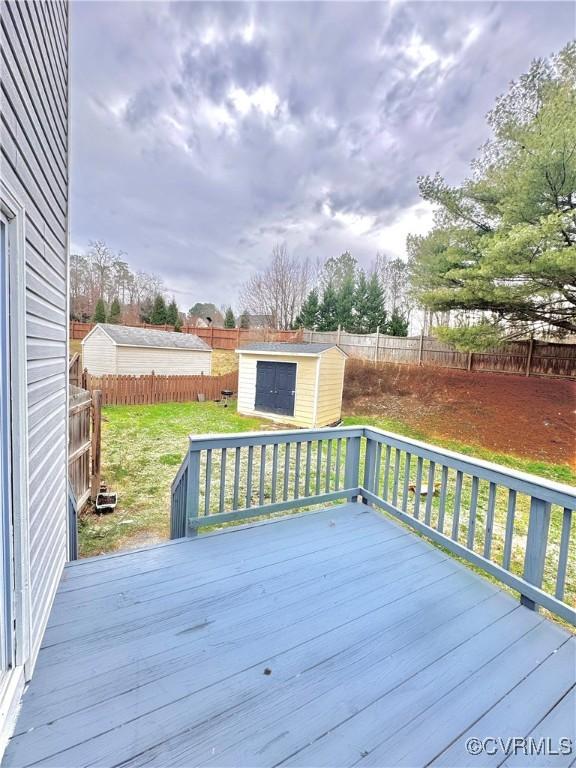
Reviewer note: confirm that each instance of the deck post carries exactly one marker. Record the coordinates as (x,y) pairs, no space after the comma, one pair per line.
(536,544)
(193,492)
(352,466)
(369,467)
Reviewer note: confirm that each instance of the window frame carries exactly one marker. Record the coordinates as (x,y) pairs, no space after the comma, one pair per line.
(13,213)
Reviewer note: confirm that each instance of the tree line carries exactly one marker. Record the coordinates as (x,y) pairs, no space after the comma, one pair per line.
(337,293)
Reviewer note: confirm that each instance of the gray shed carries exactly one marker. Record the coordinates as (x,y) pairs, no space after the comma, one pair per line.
(122,350)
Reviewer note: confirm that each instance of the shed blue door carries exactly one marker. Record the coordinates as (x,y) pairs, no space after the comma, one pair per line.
(275,387)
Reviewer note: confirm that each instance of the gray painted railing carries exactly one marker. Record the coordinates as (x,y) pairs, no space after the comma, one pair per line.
(515,526)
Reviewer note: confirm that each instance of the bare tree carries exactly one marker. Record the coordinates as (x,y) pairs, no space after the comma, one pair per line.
(102,274)
(279,290)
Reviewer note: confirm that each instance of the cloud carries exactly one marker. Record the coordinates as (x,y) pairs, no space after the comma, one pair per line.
(203,133)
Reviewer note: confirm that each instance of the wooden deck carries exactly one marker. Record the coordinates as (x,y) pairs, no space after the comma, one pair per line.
(329,639)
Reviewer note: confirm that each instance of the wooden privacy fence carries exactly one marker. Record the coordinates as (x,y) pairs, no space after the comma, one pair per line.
(529,358)
(147,390)
(217,338)
(83,444)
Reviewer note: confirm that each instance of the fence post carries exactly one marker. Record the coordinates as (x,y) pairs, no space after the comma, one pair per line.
(536,544)
(193,492)
(338,334)
(529,359)
(470,360)
(421,348)
(238,336)
(377,344)
(95,446)
(84,383)
(352,466)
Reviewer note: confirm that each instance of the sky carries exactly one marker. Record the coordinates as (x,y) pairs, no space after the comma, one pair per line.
(203,134)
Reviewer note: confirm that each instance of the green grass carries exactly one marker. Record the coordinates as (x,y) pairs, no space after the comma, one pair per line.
(142,448)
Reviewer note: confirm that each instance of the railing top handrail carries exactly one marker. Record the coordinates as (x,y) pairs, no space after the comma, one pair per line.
(564,494)
(233,439)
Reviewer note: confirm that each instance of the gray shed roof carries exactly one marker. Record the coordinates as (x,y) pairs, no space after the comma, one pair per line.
(125,336)
(287,348)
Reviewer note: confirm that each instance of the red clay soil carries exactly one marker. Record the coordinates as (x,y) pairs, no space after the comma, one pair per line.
(532,417)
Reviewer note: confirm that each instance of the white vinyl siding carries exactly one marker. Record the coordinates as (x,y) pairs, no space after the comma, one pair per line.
(102,356)
(140,361)
(34,163)
(99,353)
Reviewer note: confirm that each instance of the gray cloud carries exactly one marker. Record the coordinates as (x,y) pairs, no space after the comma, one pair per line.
(203,133)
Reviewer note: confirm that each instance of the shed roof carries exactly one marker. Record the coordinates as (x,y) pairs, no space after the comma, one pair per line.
(126,336)
(288,349)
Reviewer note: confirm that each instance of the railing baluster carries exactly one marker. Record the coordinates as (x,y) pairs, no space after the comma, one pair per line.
(318,466)
(563,556)
(442,502)
(286,470)
(208,481)
(222,481)
(418,487)
(328,465)
(407,462)
(262,474)
(429,493)
(338,462)
(274,471)
(377,467)
(490,520)
(308,463)
(386,473)
(297,470)
(457,503)
(397,459)
(237,457)
(249,477)
(509,535)
(472,516)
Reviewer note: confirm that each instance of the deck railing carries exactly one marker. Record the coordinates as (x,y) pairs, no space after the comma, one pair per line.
(514,526)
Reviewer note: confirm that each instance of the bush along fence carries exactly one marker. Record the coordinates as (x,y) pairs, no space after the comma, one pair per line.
(529,358)
(147,390)
(217,338)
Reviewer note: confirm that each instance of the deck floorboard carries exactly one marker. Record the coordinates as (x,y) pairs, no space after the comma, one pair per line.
(331,639)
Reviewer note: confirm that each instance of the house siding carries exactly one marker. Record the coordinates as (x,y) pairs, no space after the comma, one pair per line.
(99,353)
(34,164)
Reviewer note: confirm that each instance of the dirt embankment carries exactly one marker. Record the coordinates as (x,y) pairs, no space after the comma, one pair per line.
(533,417)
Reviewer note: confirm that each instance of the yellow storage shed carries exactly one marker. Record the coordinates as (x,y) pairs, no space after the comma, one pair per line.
(297,384)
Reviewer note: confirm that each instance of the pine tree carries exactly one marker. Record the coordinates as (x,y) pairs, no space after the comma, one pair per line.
(375,311)
(309,316)
(99,312)
(244,320)
(345,305)
(159,311)
(178,323)
(360,322)
(397,325)
(172,313)
(328,313)
(115,312)
(229,319)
